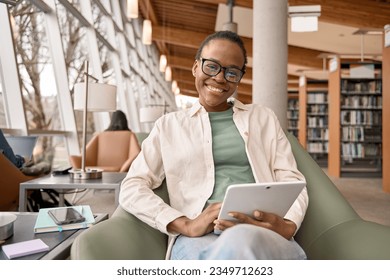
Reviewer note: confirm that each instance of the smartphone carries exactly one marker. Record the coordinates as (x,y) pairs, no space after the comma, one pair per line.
(61,171)
(62,216)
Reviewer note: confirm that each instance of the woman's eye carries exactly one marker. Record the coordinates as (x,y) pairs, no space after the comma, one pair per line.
(212,67)
(231,74)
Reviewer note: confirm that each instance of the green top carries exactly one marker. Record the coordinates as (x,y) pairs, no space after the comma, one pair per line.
(230,159)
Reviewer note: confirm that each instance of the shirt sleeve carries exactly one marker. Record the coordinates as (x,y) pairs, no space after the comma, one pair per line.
(145,174)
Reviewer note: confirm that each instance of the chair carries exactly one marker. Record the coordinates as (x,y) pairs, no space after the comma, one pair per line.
(10,179)
(112,151)
(330,230)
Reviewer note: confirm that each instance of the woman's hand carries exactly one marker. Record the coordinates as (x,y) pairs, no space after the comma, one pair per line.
(199,226)
(270,221)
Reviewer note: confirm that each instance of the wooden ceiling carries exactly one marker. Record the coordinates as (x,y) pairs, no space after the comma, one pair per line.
(179,26)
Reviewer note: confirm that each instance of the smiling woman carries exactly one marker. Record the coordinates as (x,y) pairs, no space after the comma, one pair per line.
(202,150)
(217,71)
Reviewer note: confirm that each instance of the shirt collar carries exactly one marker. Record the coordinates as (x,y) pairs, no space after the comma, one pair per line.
(197,107)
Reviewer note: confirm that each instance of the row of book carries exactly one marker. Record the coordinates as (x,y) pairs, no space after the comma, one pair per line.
(292,114)
(317,147)
(355,133)
(321,134)
(317,98)
(317,109)
(356,86)
(359,117)
(361,101)
(293,104)
(359,150)
(314,122)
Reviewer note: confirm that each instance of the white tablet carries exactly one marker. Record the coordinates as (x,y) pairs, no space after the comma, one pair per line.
(272,197)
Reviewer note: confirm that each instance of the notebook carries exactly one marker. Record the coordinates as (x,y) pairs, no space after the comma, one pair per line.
(25,248)
(45,223)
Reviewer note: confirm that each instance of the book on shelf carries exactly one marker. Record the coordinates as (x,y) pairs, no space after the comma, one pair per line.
(45,223)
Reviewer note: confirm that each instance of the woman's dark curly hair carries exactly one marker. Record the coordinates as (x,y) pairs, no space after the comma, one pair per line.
(224,35)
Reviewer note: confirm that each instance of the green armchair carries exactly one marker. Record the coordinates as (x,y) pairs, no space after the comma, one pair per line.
(331,229)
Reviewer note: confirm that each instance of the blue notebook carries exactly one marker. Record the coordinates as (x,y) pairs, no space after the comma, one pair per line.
(45,223)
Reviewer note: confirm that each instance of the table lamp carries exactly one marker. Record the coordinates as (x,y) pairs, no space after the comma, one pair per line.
(92,97)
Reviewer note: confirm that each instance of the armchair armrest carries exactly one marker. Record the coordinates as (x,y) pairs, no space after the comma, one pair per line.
(331,228)
(122,237)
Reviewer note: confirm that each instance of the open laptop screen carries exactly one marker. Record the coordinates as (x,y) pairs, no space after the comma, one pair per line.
(22,145)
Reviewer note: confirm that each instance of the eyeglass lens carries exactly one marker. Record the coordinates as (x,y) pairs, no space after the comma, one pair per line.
(213,68)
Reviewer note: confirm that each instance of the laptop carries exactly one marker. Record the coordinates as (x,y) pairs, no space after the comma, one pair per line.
(22,145)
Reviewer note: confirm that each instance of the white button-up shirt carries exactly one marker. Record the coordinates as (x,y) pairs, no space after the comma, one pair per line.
(179,148)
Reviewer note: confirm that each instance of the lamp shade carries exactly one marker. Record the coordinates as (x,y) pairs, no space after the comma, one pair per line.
(163,62)
(132,8)
(147,32)
(168,74)
(304,23)
(304,18)
(150,114)
(101,97)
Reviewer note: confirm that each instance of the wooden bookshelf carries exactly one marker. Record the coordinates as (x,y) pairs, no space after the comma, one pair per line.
(355,119)
(385,120)
(313,97)
(292,112)
(302,111)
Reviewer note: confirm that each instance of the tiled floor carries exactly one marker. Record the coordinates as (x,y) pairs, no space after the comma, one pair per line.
(366,197)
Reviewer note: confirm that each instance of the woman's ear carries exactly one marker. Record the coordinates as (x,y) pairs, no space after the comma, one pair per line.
(194,67)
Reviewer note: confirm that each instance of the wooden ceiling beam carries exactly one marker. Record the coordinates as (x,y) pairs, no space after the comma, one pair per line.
(353,13)
(305,57)
(183,76)
(186,38)
(296,55)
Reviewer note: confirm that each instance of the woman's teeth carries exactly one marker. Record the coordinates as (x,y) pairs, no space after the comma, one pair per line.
(211,88)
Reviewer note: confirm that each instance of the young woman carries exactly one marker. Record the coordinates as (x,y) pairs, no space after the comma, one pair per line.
(203,150)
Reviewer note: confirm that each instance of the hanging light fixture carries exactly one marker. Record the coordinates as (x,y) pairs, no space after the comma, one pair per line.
(177,91)
(168,74)
(174,85)
(132,8)
(147,32)
(147,28)
(304,18)
(230,25)
(163,62)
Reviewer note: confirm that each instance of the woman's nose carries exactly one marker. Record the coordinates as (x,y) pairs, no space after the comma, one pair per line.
(220,77)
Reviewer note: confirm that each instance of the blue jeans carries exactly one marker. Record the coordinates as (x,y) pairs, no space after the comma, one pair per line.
(241,242)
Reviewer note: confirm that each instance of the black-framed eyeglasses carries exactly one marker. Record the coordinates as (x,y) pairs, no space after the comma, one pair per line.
(212,68)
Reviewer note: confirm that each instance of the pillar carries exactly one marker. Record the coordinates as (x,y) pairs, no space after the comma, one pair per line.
(270,49)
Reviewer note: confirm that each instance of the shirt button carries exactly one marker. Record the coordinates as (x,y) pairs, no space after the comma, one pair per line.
(246,133)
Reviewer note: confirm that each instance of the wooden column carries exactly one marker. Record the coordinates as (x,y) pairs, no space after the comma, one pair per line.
(334,157)
(385,119)
(302,121)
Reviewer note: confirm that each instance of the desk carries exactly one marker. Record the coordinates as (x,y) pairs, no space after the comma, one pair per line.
(109,180)
(59,242)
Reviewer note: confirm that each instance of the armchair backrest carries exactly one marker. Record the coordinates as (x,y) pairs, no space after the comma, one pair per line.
(327,206)
(10,179)
(112,150)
